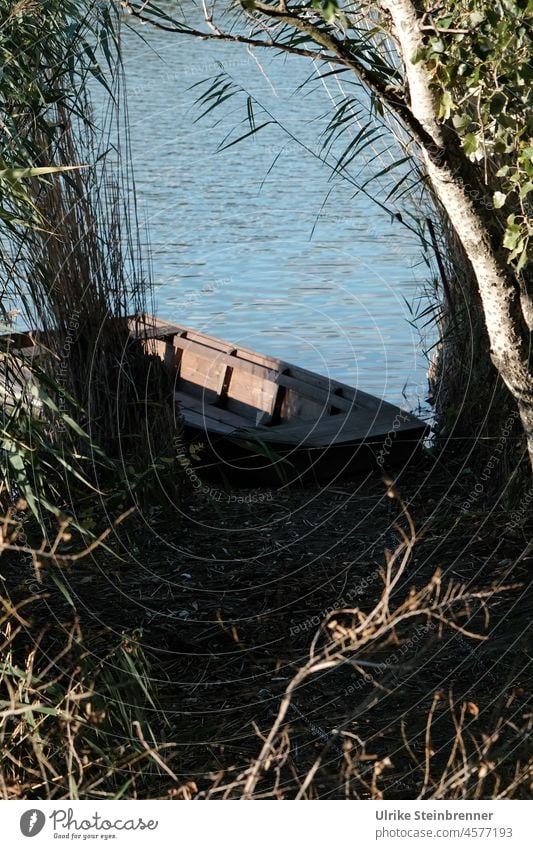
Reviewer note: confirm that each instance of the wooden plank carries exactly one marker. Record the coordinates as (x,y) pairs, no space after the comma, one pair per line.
(337,430)
(157,327)
(322,393)
(305,400)
(250,392)
(165,350)
(225,357)
(333,430)
(17,341)
(349,393)
(260,359)
(187,337)
(313,386)
(299,407)
(244,387)
(153,328)
(295,437)
(346,392)
(200,374)
(350,400)
(196,420)
(205,341)
(210,412)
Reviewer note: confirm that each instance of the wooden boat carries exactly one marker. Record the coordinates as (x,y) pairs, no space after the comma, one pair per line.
(268,421)
(260,420)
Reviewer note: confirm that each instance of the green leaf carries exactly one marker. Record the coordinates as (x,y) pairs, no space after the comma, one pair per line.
(437,45)
(512,234)
(520,248)
(523,259)
(327,8)
(17,461)
(63,590)
(20,173)
(476,18)
(470,144)
(497,103)
(73,425)
(498,199)
(38,708)
(446,106)
(461,121)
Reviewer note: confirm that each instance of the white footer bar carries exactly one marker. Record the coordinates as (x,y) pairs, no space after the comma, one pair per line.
(255,825)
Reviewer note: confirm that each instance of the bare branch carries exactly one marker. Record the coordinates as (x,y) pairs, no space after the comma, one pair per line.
(218,35)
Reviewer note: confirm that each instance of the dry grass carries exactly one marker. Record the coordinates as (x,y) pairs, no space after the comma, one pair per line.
(74,711)
(415,688)
(404,738)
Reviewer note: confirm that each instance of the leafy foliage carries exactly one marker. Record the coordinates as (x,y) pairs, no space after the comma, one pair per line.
(479,56)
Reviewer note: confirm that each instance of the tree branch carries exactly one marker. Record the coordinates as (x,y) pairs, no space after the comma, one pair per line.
(393,96)
(218,35)
(336,53)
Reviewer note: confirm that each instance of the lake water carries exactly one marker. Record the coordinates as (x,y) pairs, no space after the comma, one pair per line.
(286,261)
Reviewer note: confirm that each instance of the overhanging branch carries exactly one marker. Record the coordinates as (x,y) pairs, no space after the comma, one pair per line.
(225,36)
(391,95)
(333,52)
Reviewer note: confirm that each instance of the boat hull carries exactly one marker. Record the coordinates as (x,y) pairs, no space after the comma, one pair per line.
(243,463)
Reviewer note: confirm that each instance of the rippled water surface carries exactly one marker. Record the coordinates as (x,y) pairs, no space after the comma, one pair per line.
(282,259)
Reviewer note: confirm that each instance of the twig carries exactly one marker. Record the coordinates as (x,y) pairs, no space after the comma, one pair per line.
(152,752)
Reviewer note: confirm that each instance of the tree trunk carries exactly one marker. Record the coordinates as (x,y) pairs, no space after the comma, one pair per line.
(499,290)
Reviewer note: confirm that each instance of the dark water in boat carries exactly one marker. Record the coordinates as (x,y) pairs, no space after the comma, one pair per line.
(287,262)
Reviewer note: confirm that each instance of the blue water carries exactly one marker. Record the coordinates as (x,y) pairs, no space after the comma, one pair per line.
(287,261)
